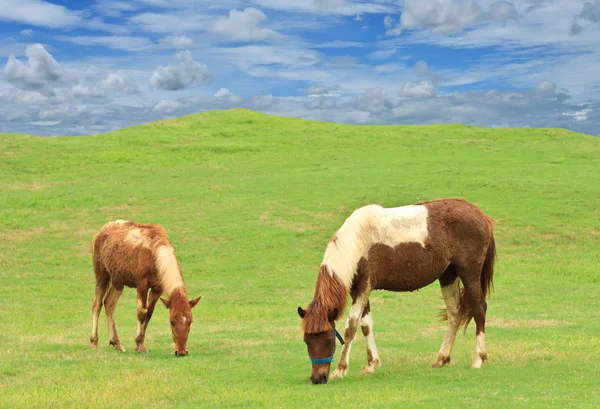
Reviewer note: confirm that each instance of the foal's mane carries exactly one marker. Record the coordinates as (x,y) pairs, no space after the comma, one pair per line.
(330,294)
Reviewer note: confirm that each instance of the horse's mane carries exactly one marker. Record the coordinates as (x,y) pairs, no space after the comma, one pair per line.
(178,301)
(330,294)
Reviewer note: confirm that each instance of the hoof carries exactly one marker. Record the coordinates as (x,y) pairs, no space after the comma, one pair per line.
(369,369)
(477,364)
(441,362)
(338,374)
(117,346)
(141,349)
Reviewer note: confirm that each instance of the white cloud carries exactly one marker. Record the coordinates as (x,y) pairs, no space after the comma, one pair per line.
(125,43)
(166,106)
(503,11)
(388,68)
(381,54)
(120,82)
(328,3)
(316,90)
(546,87)
(391,28)
(180,74)
(441,16)
(418,90)
(244,26)
(87,91)
(177,41)
(330,7)
(113,8)
(39,73)
(248,56)
(343,60)
(28,97)
(590,13)
(37,13)
(180,22)
(224,94)
(27,33)
(375,101)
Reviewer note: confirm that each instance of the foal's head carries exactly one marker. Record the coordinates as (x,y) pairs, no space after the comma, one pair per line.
(180,314)
(319,337)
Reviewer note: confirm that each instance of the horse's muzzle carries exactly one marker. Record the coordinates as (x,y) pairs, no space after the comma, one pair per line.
(178,354)
(318,380)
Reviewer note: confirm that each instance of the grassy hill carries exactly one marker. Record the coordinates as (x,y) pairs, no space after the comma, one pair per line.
(250,202)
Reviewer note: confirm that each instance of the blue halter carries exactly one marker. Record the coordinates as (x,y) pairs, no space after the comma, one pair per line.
(328,359)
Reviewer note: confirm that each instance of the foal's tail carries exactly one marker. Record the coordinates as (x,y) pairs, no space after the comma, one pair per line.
(487,277)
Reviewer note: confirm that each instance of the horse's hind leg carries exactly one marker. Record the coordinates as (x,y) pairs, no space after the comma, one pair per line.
(102,283)
(478,306)
(451,293)
(366,325)
(110,305)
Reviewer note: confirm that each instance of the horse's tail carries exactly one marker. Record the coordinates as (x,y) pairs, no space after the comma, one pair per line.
(487,277)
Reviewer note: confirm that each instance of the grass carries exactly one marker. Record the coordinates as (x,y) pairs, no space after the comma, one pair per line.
(250,202)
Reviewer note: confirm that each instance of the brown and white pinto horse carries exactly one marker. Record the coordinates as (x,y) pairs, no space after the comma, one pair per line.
(401,249)
(139,256)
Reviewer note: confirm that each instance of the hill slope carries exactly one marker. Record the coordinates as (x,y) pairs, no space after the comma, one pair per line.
(250,201)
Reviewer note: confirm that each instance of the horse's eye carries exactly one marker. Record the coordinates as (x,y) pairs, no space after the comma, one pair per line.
(172,323)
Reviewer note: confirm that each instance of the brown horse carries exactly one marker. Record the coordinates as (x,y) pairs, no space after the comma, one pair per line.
(400,249)
(139,256)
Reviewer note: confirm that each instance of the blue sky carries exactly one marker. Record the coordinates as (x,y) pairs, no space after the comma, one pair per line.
(80,67)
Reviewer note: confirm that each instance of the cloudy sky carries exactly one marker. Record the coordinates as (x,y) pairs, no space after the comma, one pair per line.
(79,67)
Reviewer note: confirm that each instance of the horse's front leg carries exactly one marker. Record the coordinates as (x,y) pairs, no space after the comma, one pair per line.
(153,297)
(349,332)
(366,325)
(142,313)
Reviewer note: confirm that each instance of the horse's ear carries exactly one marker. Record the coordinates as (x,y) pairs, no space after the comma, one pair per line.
(167,303)
(194,302)
(332,315)
(301,312)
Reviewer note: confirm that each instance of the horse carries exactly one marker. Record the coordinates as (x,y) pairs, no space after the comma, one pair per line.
(400,249)
(139,256)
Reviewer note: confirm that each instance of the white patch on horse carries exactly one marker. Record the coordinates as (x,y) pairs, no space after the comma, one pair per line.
(451,294)
(136,238)
(370,225)
(168,270)
(479,350)
(183,319)
(367,321)
(120,221)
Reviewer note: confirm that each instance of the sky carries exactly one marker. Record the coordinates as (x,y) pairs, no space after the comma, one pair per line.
(80,67)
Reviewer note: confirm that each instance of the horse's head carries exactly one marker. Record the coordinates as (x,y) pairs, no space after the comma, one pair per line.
(180,314)
(320,341)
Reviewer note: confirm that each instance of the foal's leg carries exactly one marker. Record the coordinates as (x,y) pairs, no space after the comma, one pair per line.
(102,283)
(366,325)
(349,332)
(451,294)
(478,307)
(142,311)
(110,305)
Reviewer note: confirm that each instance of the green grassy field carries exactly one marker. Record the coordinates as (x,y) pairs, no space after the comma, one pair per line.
(250,202)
